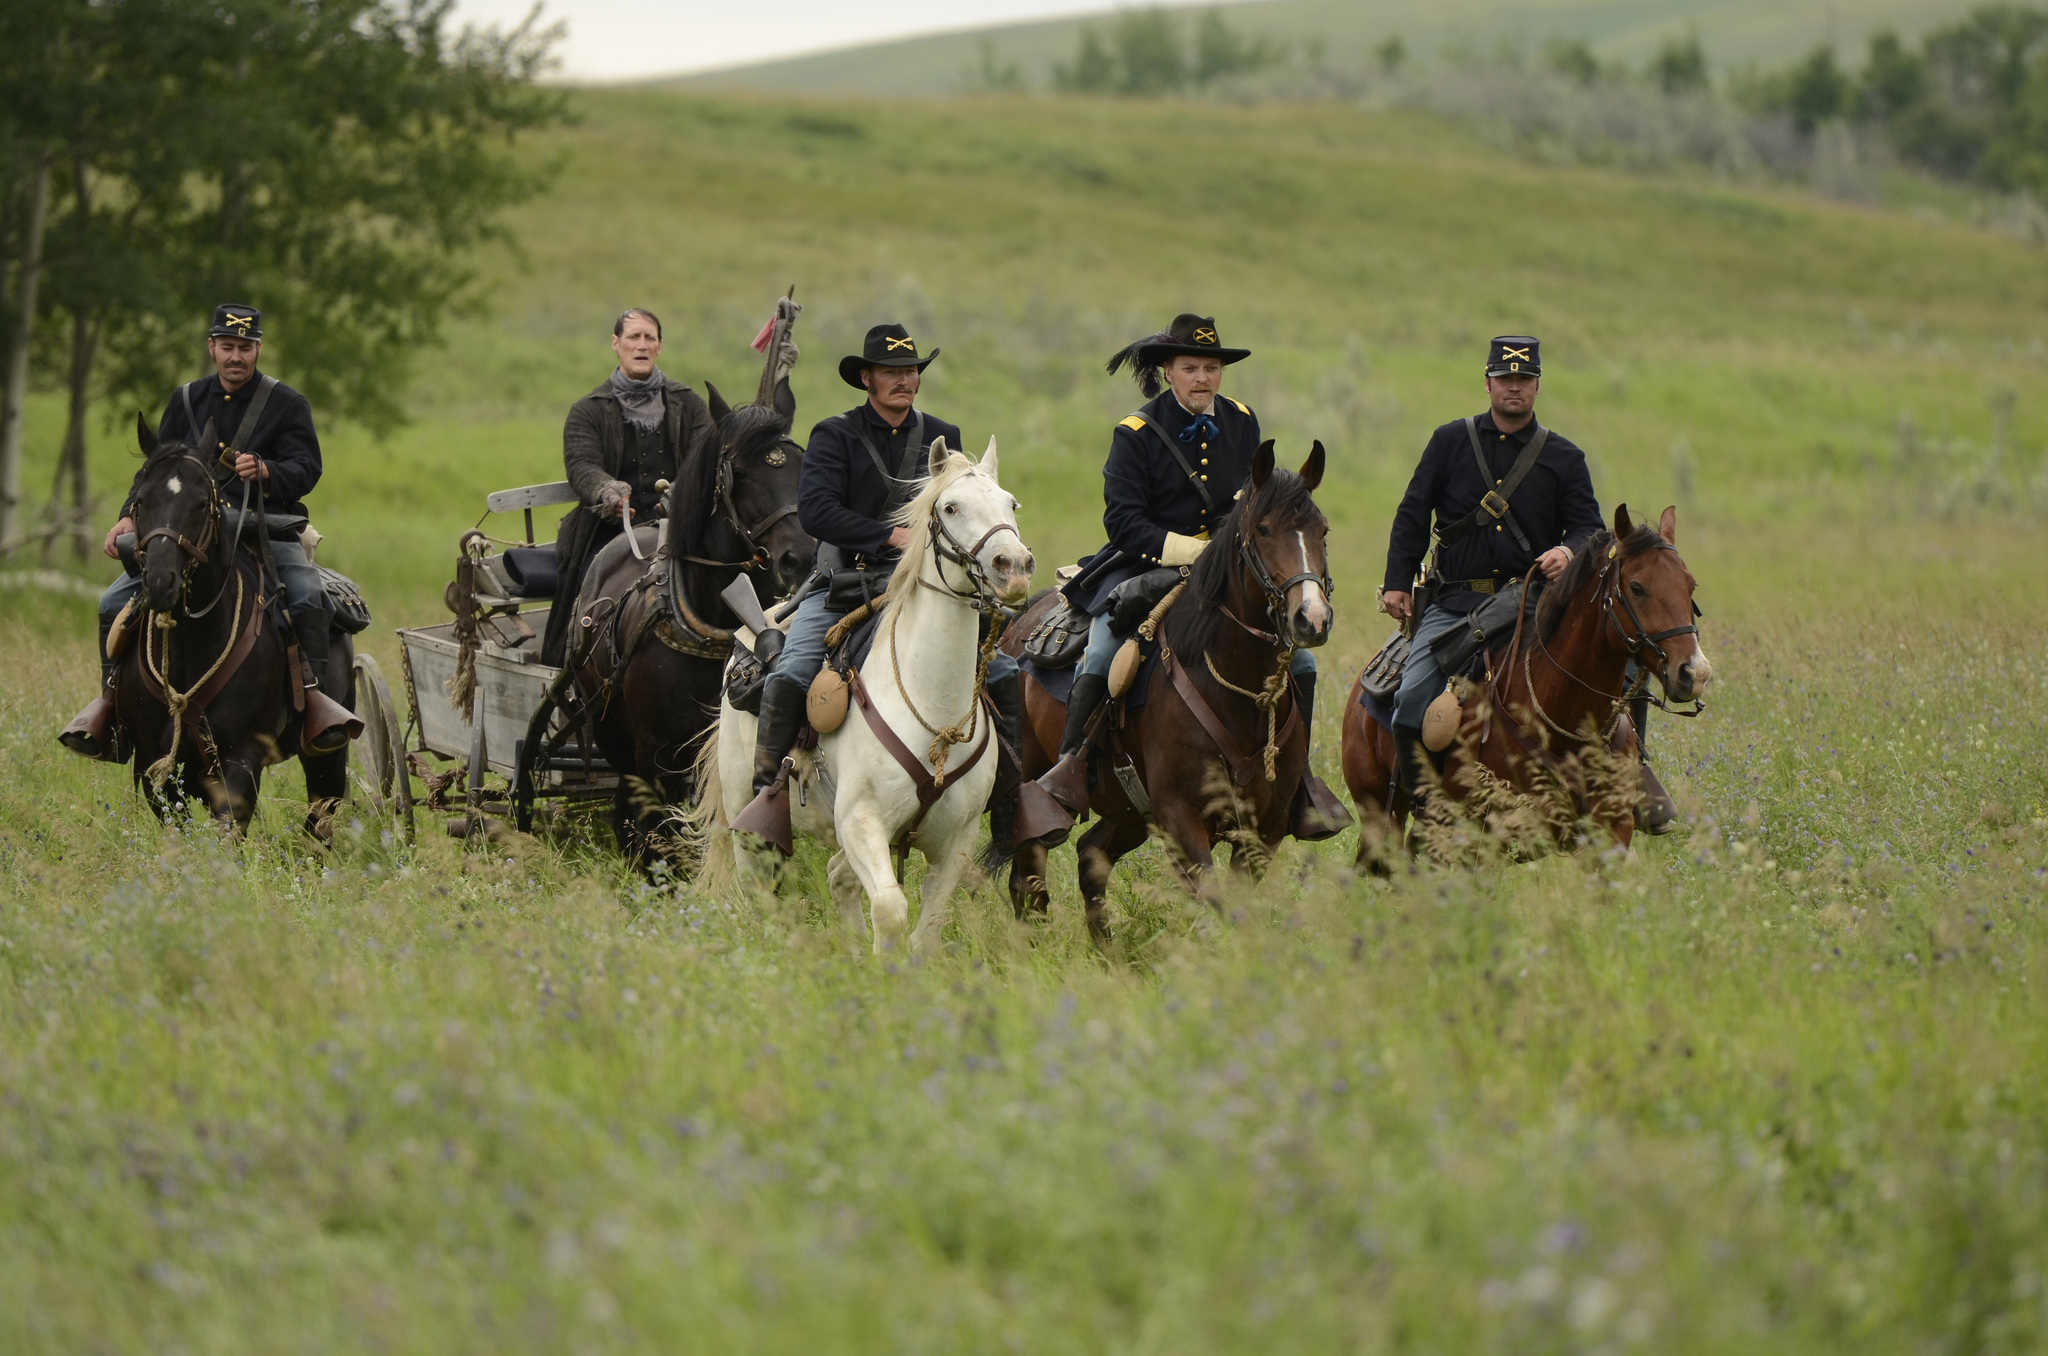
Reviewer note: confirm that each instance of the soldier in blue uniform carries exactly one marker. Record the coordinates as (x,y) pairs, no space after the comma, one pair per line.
(1506,494)
(1175,468)
(281,455)
(860,467)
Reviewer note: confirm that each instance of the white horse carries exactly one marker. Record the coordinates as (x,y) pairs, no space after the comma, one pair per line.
(922,677)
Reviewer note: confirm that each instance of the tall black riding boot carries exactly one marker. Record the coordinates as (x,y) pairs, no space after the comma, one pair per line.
(1048,807)
(782,719)
(1316,813)
(1409,756)
(1007,696)
(1657,811)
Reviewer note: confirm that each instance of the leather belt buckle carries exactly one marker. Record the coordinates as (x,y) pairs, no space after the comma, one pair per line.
(1494,504)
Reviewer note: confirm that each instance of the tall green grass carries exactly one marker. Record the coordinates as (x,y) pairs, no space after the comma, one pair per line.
(1771,1084)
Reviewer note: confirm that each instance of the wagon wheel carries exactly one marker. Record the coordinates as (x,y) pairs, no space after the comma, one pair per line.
(382,745)
(533,757)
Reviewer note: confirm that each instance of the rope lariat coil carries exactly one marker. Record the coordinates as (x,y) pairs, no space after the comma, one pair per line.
(176,702)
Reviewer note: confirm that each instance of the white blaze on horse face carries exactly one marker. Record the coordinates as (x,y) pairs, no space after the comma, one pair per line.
(1315,607)
(177,485)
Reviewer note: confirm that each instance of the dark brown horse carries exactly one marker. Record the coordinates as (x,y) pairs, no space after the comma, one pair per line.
(1559,687)
(649,665)
(1218,747)
(201,686)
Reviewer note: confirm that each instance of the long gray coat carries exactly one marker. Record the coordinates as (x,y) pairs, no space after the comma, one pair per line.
(593,445)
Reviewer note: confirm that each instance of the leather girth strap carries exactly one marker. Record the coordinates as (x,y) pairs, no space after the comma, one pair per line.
(1243,766)
(928,788)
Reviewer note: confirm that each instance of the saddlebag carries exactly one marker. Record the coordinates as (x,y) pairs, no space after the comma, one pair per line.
(1382,676)
(849,589)
(345,606)
(744,678)
(1059,638)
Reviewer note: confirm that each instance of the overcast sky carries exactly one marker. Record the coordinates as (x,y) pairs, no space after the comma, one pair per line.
(626,39)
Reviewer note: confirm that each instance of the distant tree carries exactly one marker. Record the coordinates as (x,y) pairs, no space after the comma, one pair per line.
(1894,78)
(1680,66)
(1093,70)
(1573,58)
(1817,91)
(1151,55)
(991,75)
(1391,54)
(1221,51)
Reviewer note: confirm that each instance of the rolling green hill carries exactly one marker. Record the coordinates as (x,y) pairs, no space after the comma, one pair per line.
(1733,32)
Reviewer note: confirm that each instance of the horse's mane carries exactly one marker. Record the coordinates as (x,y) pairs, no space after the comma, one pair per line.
(692,499)
(1585,562)
(1191,624)
(917,516)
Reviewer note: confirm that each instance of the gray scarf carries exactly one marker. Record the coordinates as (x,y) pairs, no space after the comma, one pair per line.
(640,401)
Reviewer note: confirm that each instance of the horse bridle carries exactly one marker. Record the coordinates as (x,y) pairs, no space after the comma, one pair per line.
(209,537)
(757,558)
(1276,593)
(1644,639)
(984,597)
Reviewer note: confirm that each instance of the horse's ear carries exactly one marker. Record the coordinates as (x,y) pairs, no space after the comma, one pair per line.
(719,409)
(939,455)
(988,461)
(1667,526)
(1312,469)
(1622,525)
(1262,464)
(144,437)
(209,440)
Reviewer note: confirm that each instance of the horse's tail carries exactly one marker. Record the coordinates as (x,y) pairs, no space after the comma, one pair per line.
(705,821)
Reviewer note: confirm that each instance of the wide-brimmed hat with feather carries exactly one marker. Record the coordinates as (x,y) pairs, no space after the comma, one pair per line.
(1190,334)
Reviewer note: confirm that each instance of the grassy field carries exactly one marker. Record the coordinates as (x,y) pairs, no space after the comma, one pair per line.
(1774,1084)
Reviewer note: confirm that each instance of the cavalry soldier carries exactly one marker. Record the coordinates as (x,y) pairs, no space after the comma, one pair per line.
(1174,468)
(280,453)
(618,443)
(859,469)
(1507,494)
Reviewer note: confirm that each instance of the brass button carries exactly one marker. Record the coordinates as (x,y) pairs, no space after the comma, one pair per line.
(1205,461)
(1205,447)
(1205,479)
(1499,528)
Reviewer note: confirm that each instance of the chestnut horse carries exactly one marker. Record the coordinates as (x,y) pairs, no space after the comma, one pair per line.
(1265,566)
(1560,685)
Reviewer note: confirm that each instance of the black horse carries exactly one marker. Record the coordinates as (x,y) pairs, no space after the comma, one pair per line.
(202,687)
(649,641)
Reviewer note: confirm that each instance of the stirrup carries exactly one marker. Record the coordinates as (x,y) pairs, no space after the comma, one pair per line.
(1317,814)
(767,814)
(1067,781)
(92,733)
(1040,818)
(329,725)
(1656,812)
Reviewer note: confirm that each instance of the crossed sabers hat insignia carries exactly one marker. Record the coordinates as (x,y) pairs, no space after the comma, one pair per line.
(1506,352)
(1205,336)
(905,342)
(238,322)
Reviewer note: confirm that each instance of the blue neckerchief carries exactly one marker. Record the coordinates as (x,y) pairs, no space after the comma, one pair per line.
(1202,427)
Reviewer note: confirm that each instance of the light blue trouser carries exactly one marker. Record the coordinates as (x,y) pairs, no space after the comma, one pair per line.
(803,653)
(304,594)
(1102,648)
(1422,680)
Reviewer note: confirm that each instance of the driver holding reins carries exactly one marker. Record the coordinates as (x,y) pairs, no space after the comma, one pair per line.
(279,453)
(1175,467)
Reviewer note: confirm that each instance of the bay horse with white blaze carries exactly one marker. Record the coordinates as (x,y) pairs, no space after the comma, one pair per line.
(1559,686)
(1219,746)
